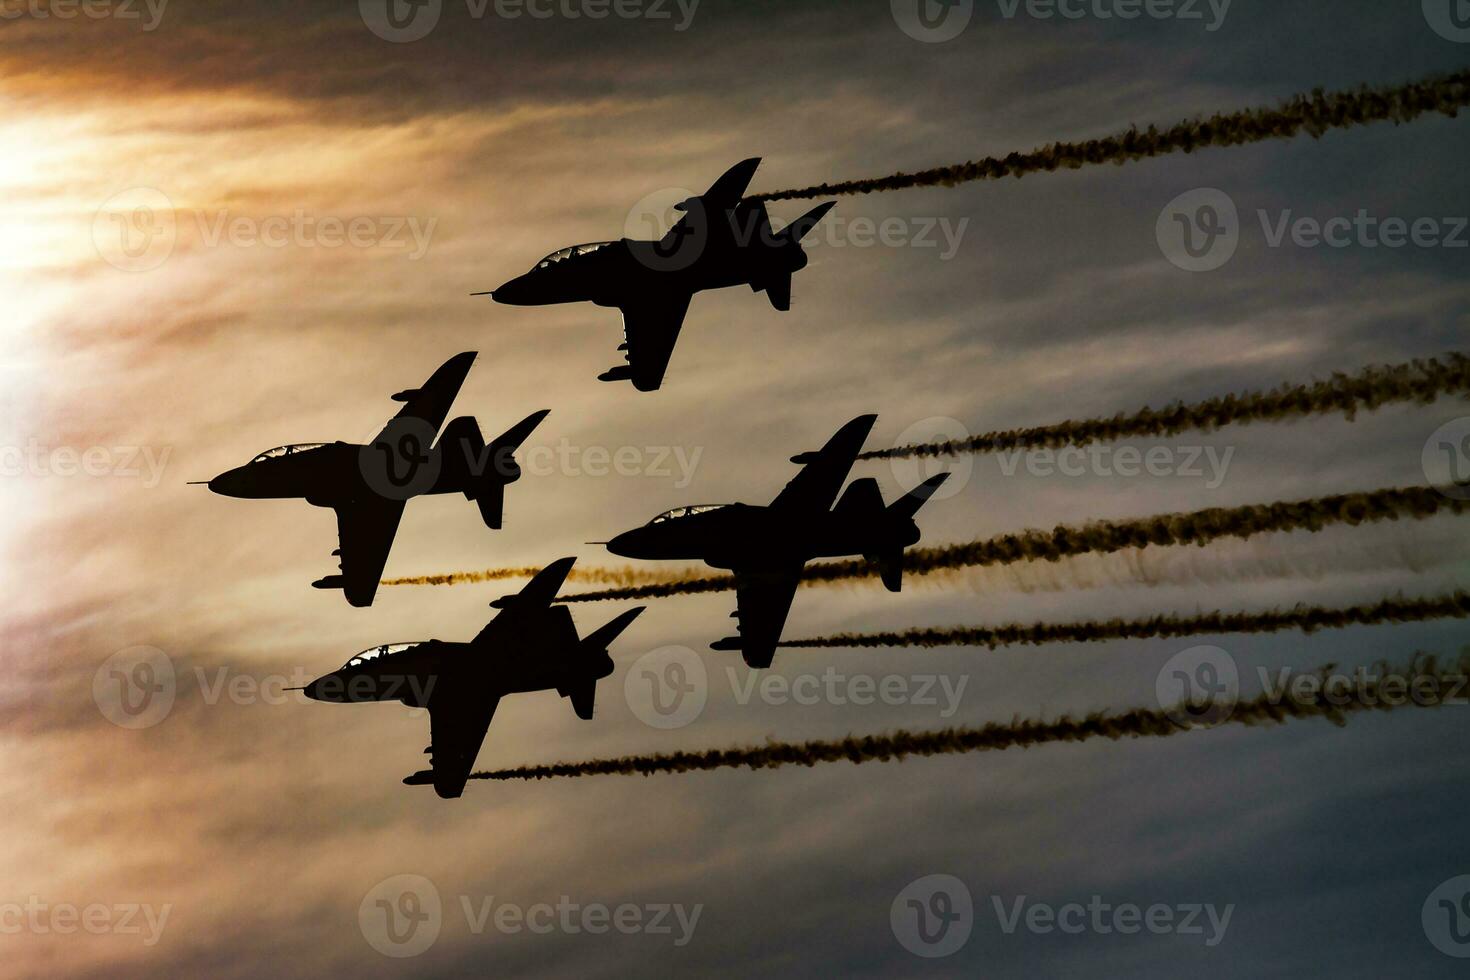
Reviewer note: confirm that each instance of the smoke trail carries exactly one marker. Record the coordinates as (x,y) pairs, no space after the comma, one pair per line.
(1315,114)
(1023,733)
(1308,619)
(1419,381)
(1198,528)
(621,576)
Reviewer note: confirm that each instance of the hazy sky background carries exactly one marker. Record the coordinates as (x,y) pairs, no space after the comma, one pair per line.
(263,826)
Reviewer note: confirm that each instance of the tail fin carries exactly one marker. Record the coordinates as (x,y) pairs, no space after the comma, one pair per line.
(861,498)
(592,656)
(483,471)
(602,637)
(541,590)
(908,505)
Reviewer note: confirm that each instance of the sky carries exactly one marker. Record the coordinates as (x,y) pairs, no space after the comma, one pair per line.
(177,301)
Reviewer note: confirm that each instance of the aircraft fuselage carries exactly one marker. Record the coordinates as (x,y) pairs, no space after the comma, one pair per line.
(741,536)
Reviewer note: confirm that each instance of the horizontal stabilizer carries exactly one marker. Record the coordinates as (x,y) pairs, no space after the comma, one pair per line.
(908,505)
(803,226)
(518,433)
(602,637)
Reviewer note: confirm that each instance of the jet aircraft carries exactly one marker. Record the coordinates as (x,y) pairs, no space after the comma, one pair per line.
(721,240)
(530,645)
(368,485)
(767,547)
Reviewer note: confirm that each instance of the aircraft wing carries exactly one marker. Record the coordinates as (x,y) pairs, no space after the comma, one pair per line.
(365,531)
(762,600)
(650,329)
(458,721)
(815,488)
(425,409)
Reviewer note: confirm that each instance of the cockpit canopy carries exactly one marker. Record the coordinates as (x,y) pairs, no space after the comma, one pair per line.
(375,653)
(288,450)
(570,252)
(679,512)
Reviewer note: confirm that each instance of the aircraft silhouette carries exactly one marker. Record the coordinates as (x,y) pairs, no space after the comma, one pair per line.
(720,241)
(368,485)
(530,645)
(767,547)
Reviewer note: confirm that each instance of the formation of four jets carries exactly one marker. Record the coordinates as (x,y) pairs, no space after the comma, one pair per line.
(531,644)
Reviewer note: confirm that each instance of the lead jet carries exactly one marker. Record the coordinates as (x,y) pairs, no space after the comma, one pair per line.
(368,485)
(530,645)
(767,547)
(721,240)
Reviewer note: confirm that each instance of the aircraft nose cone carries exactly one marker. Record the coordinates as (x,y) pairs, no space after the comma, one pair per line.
(626,544)
(511,293)
(229,484)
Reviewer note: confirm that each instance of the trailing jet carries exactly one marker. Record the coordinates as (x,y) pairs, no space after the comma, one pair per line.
(720,241)
(530,645)
(767,547)
(368,485)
